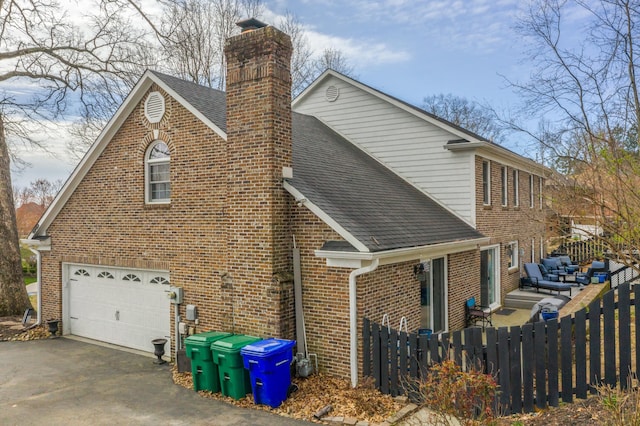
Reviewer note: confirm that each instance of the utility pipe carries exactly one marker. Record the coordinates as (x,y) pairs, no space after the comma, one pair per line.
(353,316)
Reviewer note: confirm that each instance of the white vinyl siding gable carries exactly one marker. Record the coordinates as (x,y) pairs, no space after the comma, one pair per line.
(411,146)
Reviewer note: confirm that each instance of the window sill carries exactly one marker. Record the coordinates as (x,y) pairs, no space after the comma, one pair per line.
(157,205)
(513,269)
(487,207)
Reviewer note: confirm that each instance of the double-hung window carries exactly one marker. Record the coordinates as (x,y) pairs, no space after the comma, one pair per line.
(486,183)
(505,191)
(158,184)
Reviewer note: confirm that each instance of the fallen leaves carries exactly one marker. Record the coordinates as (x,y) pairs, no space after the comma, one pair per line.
(314,393)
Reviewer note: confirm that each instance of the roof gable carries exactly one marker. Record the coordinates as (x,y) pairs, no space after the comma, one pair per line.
(207,104)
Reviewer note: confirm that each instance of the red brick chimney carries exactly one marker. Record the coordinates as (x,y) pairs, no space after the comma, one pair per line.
(258,147)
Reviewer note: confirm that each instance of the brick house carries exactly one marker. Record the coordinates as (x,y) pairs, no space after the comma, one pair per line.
(394,211)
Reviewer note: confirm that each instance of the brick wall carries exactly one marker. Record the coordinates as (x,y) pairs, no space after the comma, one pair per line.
(464,282)
(106,220)
(504,224)
(390,289)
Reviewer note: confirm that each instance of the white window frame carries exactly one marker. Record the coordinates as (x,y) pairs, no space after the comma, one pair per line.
(540,187)
(533,250)
(486,182)
(532,202)
(147,178)
(516,188)
(504,173)
(512,258)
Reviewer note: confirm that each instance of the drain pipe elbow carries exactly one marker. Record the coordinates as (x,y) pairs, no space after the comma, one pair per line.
(353,317)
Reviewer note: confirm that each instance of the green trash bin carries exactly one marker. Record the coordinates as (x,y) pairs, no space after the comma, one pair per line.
(234,379)
(203,370)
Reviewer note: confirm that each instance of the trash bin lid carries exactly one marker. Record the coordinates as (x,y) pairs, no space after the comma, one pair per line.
(268,346)
(207,337)
(234,343)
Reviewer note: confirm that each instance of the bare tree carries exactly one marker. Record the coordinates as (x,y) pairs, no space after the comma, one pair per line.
(43,47)
(301,58)
(188,41)
(44,191)
(199,29)
(480,119)
(589,97)
(334,59)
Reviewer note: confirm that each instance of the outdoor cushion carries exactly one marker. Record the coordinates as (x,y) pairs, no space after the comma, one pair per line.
(567,263)
(553,265)
(537,281)
(546,275)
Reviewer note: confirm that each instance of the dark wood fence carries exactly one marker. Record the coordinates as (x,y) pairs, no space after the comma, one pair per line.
(535,365)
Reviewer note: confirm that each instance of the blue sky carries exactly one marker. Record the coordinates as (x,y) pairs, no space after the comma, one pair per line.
(407,48)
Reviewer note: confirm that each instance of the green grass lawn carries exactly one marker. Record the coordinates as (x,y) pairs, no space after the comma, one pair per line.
(29,280)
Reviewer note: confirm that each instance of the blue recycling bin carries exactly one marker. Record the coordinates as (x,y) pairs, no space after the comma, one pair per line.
(268,362)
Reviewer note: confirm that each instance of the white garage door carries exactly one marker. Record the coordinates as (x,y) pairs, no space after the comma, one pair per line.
(120,306)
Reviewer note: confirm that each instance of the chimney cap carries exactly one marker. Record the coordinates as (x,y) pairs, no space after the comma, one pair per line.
(250,24)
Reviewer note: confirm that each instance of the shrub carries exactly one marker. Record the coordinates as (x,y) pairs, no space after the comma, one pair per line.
(622,407)
(451,392)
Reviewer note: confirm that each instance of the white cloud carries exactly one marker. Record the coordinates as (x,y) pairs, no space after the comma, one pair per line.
(360,52)
(50,162)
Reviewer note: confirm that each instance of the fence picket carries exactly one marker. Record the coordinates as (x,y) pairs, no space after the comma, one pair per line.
(446,349)
(624,333)
(581,353)
(423,360)
(377,368)
(457,347)
(492,351)
(366,345)
(595,371)
(539,341)
(404,359)
(608,306)
(394,346)
(552,362)
(503,366)
(434,350)
(566,359)
(515,372)
(384,360)
(528,360)
(413,360)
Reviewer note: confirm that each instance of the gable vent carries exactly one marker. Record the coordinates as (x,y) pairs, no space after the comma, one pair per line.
(332,93)
(154,107)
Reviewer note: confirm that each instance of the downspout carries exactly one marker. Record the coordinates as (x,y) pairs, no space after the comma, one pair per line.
(353,317)
(39,277)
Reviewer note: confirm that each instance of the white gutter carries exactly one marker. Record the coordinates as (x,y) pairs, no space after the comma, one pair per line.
(353,317)
(395,255)
(39,278)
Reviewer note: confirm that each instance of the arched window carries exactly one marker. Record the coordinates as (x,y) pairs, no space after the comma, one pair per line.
(158,184)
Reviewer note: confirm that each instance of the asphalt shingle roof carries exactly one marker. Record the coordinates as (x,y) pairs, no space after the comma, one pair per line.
(370,201)
(367,199)
(210,102)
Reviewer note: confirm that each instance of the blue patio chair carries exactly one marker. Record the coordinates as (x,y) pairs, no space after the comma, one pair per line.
(474,313)
(537,281)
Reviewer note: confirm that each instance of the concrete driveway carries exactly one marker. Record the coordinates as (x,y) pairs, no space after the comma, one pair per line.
(68,382)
